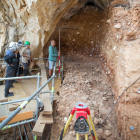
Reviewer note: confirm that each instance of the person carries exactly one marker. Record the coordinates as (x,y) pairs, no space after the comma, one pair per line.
(53,54)
(11,68)
(18,60)
(10,46)
(26,56)
(18,56)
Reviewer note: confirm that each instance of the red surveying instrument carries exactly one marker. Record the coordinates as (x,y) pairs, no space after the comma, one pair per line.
(82,125)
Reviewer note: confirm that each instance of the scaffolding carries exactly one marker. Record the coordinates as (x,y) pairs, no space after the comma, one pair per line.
(35,96)
(61,69)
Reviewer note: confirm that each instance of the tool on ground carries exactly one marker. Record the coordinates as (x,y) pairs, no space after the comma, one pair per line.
(82,124)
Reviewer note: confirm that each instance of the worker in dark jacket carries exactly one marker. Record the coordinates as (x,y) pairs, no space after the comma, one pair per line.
(17,55)
(11,68)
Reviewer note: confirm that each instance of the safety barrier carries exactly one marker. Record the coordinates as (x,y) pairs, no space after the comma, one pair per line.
(34,96)
(60,69)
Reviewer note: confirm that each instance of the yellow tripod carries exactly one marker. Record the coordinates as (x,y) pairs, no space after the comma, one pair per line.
(82,125)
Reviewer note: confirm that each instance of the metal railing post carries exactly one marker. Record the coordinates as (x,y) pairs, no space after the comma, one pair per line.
(20,132)
(15,133)
(25,132)
(31,130)
(59,51)
(38,81)
(52,94)
(17,124)
(62,70)
(37,102)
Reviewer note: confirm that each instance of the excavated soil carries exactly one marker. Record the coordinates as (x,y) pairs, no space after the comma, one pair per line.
(86,82)
(84,79)
(113,35)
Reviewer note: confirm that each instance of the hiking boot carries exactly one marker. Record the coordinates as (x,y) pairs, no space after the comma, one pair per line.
(10,94)
(6,94)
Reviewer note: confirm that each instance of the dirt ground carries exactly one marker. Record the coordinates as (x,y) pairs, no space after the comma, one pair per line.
(86,82)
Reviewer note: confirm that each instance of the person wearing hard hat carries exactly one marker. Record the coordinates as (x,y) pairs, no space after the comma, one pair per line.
(26,56)
(11,60)
(17,56)
(10,46)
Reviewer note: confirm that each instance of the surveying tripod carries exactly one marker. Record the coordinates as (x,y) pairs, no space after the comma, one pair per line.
(82,125)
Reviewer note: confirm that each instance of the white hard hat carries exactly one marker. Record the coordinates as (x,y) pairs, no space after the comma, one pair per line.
(14,48)
(13,44)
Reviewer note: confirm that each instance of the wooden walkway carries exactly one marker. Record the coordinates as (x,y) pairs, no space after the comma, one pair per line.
(25,88)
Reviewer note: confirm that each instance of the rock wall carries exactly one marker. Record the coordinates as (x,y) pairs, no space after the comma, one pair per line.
(120,56)
(35,20)
(31,20)
(92,27)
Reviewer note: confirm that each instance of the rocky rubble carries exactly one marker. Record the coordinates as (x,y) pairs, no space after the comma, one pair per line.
(87,83)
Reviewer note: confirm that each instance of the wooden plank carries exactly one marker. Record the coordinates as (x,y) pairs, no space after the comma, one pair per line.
(47,106)
(4,100)
(46,119)
(31,106)
(19,117)
(2,97)
(38,128)
(45,97)
(55,97)
(29,86)
(18,92)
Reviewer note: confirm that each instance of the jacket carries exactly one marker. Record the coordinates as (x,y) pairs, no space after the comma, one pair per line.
(11,60)
(24,52)
(53,54)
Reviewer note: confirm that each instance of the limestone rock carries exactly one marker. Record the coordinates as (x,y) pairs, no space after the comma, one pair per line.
(104,99)
(100,131)
(72,133)
(118,26)
(65,119)
(108,21)
(107,133)
(96,121)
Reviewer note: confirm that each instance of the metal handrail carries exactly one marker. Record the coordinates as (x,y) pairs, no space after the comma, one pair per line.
(2,59)
(20,123)
(23,105)
(14,101)
(22,77)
